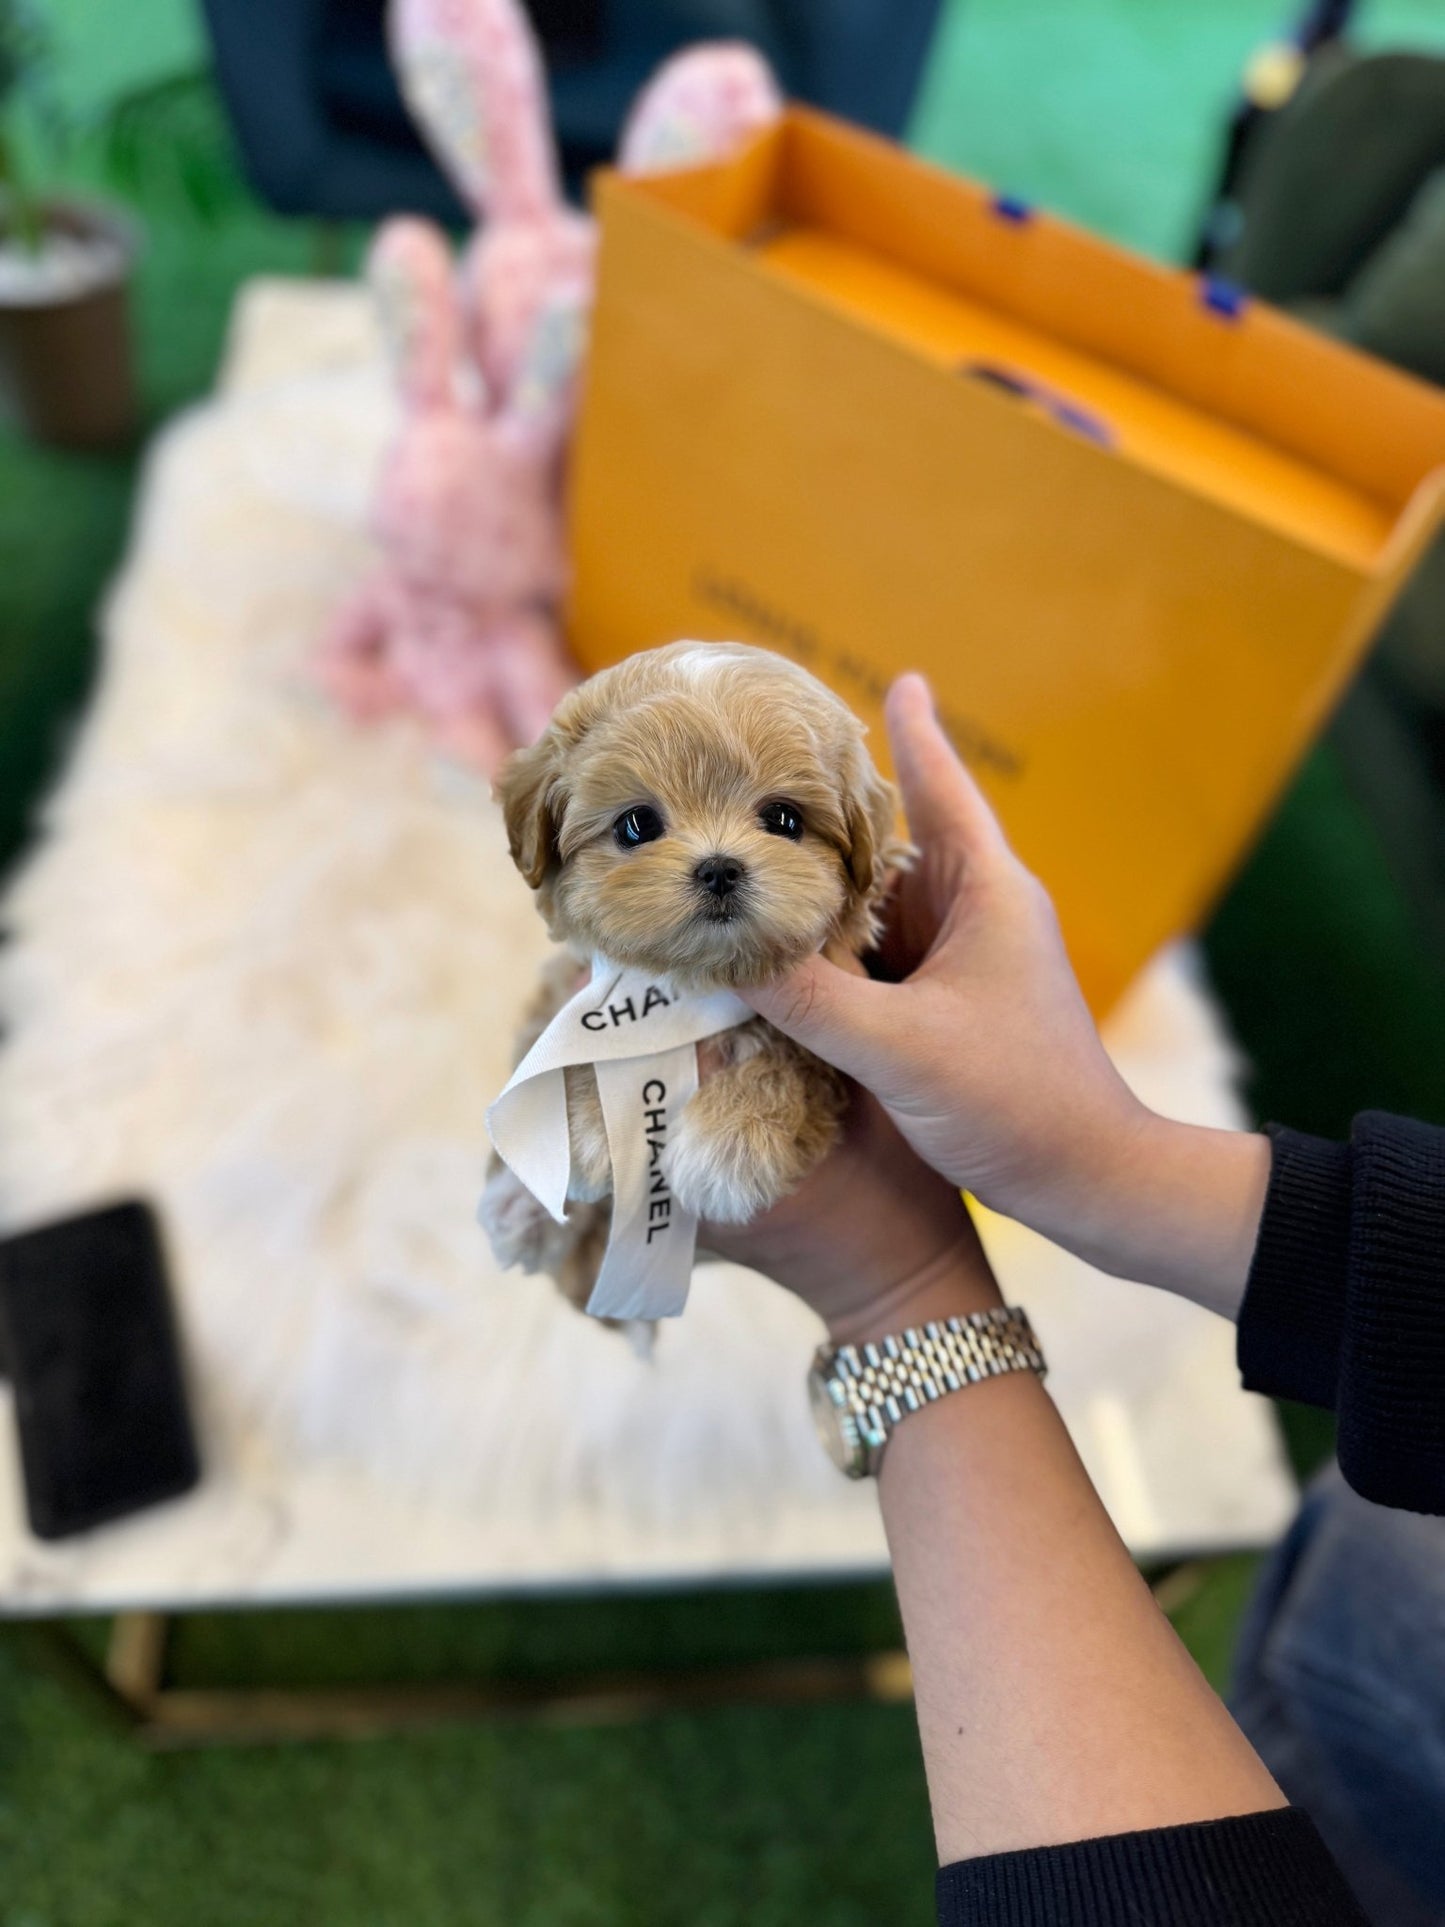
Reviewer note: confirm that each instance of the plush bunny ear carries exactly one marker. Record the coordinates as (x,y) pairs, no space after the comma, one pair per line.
(700,106)
(410,273)
(472,74)
(539,396)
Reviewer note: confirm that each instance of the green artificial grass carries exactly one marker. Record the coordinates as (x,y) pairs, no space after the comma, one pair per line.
(756,1815)
(1107,110)
(745,1814)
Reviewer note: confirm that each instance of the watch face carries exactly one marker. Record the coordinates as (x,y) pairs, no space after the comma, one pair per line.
(835,1424)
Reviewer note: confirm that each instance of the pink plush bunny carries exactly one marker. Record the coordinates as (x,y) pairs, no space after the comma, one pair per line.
(458,622)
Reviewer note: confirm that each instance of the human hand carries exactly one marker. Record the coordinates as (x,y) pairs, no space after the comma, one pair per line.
(983,1053)
(872,1239)
(981,1049)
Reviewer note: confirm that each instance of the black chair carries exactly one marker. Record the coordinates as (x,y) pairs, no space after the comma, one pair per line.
(1270,82)
(323,130)
(1331,202)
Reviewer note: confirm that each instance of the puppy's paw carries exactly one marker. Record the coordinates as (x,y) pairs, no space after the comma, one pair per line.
(748,1137)
(522,1232)
(591,1179)
(577,1272)
(717,1181)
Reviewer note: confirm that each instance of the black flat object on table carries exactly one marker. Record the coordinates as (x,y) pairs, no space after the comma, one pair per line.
(90,1343)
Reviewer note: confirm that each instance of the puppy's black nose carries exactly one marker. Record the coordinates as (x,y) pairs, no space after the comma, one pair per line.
(719,875)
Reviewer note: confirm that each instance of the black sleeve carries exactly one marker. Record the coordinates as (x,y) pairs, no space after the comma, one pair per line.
(1345,1304)
(1262,1870)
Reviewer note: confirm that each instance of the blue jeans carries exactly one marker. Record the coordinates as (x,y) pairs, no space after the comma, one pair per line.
(1340,1684)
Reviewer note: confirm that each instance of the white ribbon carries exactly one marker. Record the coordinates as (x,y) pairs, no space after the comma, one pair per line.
(640,1035)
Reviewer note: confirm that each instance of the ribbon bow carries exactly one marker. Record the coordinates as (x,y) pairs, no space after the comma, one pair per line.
(640,1035)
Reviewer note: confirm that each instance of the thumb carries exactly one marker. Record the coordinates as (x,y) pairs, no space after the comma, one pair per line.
(941,798)
(828,1011)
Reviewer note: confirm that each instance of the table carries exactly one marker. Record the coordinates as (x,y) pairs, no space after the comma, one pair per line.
(265,971)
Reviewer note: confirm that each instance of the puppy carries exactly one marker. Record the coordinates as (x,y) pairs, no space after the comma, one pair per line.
(708,813)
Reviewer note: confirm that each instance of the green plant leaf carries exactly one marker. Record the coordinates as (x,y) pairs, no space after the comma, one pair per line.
(170,137)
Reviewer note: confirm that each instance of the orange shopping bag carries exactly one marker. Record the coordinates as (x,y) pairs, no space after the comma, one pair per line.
(1135,528)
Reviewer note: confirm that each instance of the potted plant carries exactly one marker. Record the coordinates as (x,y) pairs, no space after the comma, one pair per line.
(65,265)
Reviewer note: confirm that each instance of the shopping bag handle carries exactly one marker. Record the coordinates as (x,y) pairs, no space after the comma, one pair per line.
(1060,409)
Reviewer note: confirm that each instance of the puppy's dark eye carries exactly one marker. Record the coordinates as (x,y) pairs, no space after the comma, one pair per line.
(642,825)
(781,819)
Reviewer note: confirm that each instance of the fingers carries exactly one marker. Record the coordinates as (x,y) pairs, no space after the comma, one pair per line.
(941,798)
(827,1010)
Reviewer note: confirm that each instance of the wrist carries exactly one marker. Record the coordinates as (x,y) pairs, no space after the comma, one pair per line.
(1170,1204)
(1079,1183)
(952,1284)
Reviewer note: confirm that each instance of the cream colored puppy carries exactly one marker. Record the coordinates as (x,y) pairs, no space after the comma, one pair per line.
(706,812)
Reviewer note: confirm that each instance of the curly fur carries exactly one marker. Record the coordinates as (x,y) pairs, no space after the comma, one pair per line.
(706,735)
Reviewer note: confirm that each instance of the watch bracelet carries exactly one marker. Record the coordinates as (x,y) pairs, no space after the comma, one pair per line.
(889,1377)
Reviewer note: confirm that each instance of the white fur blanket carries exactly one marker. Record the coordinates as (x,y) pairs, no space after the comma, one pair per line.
(264,970)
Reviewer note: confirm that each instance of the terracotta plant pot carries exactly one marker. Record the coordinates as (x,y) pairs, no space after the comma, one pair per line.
(66,372)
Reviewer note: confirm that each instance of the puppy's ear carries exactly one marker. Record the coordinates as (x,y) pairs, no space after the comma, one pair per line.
(870,812)
(532,793)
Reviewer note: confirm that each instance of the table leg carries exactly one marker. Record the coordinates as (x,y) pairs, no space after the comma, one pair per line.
(136,1658)
(131,1685)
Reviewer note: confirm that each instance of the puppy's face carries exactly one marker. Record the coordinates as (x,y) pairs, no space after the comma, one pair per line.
(707,812)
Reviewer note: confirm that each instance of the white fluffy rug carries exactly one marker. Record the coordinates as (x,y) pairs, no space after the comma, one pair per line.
(264,970)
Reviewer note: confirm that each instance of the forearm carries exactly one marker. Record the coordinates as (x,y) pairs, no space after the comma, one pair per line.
(1166,1204)
(1054,1701)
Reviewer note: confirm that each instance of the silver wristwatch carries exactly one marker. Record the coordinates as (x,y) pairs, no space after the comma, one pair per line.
(860,1393)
